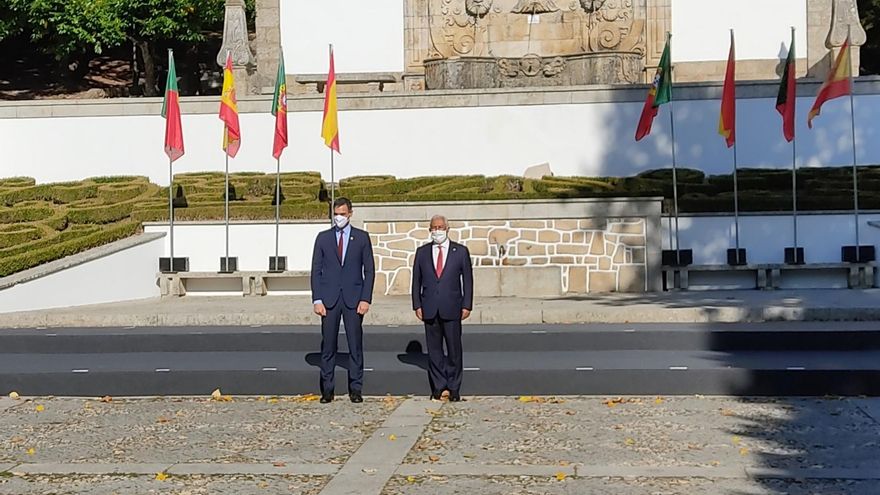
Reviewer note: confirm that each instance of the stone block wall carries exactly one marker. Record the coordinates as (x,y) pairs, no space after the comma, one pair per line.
(535,256)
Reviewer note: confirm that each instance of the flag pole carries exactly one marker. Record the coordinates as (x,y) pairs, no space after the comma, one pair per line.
(852,113)
(171,208)
(332,165)
(735,201)
(794,209)
(226,205)
(674,171)
(277,206)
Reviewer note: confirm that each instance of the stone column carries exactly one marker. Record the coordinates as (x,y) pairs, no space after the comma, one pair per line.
(417,40)
(236,42)
(659,23)
(828,22)
(268,42)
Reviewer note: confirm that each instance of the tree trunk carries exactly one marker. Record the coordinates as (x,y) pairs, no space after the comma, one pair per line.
(151,87)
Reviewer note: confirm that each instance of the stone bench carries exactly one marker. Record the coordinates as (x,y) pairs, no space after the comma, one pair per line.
(362,82)
(251,283)
(769,275)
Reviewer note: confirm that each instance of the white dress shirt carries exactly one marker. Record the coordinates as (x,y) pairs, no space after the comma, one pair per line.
(435,249)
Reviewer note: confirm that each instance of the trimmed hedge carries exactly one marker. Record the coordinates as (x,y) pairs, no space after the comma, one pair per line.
(35,257)
(236,212)
(100,214)
(118,193)
(24,215)
(12,235)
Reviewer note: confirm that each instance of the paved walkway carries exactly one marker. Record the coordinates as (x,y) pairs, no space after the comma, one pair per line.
(396,445)
(698,307)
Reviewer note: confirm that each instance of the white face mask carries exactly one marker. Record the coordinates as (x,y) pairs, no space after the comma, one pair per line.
(341,221)
(439,236)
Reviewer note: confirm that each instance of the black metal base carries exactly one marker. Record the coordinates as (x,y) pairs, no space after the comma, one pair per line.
(865,254)
(167,265)
(794,256)
(736,257)
(681,257)
(277,264)
(228,265)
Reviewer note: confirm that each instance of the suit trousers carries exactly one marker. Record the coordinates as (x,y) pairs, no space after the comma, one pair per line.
(444,370)
(354,334)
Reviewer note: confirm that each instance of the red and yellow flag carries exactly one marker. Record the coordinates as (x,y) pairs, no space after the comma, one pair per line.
(229,112)
(279,110)
(838,83)
(171,112)
(727,119)
(330,125)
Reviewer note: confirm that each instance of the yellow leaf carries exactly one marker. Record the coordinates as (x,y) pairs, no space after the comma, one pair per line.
(392,437)
(715,463)
(433,458)
(411,479)
(260,398)
(31,451)
(163,419)
(629,441)
(216,394)
(743,451)
(735,440)
(273,400)
(40,408)
(560,476)
(726,412)
(161,476)
(658,400)
(526,398)
(279,464)
(263,484)
(13,395)
(107,398)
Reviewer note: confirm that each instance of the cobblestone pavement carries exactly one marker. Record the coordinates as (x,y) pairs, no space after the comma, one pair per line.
(398,445)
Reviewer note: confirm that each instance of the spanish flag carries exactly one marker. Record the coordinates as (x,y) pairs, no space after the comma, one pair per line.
(279,110)
(330,126)
(838,83)
(229,111)
(727,119)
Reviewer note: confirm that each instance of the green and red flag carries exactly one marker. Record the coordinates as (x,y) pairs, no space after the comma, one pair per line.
(660,93)
(838,83)
(727,118)
(786,101)
(279,110)
(171,113)
(330,123)
(229,111)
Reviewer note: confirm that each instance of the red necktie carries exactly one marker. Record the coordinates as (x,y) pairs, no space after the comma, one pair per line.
(339,246)
(439,261)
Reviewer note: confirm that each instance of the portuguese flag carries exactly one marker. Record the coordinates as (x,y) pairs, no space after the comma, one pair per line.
(838,83)
(786,101)
(171,113)
(279,110)
(727,119)
(660,93)
(330,124)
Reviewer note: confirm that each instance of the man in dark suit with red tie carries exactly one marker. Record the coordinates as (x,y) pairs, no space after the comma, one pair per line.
(443,296)
(343,272)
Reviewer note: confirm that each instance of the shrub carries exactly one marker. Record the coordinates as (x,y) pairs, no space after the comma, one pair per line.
(25,214)
(100,214)
(118,193)
(12,235)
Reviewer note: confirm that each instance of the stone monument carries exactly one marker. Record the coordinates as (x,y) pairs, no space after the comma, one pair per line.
(236,42)
(516,43)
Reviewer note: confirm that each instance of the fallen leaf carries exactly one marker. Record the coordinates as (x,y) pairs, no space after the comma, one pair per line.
(216,394)
(433,458)
(14,395)
(161,476)
(31,451)
(260,398)
(743,451)
(735,440)
(560,476)
(715,463)
(629,441)
(726,412)
(658,400)
(162,419)
(263,484)
(529,398)
(411,479)
(392,437)
(279,464)
(369,470)
(40,408)
(273,400)
(107,399)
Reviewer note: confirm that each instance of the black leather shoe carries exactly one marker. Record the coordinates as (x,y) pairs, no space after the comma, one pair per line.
(454,397)
(356,397)
(326,398)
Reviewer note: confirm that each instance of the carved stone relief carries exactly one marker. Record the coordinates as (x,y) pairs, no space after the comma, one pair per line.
(235,36)
(845,22)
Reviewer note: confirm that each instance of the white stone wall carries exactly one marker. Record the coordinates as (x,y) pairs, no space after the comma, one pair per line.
(592,255)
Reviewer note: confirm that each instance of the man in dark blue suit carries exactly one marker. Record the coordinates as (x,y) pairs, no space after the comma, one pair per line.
(343,272)
(443,296)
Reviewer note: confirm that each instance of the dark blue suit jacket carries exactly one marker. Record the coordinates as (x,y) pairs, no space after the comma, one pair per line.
(353,280)
(453,291)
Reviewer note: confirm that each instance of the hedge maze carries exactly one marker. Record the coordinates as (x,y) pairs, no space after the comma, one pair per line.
(45,222)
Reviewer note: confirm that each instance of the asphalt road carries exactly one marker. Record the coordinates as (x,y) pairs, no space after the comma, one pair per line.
(714,359)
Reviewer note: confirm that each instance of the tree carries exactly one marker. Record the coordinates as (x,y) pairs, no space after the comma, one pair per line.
(869,11)
(151,24)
